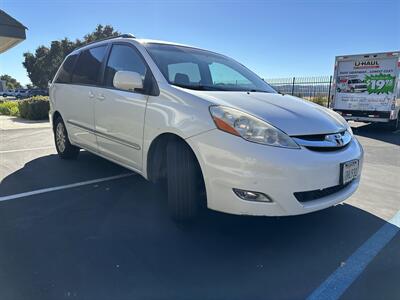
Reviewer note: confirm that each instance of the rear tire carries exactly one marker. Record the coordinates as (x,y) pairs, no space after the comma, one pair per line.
(64,148)
(393,125)
(184,180)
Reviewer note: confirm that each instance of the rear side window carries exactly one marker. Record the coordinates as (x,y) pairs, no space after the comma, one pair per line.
(64,76)
(123,58)
(87,69)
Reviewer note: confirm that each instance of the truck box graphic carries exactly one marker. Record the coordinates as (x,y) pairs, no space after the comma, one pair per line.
(366,82)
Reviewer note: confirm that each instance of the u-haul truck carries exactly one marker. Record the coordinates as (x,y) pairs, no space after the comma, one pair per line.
(366,88)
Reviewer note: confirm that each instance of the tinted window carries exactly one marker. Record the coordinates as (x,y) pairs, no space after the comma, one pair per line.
(64,76)
(87,69)
(123,58)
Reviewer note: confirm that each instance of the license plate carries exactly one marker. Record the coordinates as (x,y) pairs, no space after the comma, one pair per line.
(348,171)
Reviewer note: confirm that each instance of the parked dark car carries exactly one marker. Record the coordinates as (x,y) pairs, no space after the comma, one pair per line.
(39,92)
(20,94)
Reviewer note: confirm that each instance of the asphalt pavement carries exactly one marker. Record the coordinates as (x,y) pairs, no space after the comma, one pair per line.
(73,230)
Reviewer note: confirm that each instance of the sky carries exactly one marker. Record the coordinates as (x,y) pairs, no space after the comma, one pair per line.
(275,39)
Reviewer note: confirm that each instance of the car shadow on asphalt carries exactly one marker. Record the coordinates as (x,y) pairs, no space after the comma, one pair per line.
(378,132)
(49,171)
(115,240)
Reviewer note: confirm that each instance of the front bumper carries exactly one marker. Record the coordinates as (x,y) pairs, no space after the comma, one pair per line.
(364,116)
(366,119)
(229,162)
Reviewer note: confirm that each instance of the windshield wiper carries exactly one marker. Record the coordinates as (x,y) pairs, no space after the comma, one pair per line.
(199,87)
(257,91)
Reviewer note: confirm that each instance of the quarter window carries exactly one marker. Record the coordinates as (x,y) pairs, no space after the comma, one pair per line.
(64,76)
(123,58)
(87,70)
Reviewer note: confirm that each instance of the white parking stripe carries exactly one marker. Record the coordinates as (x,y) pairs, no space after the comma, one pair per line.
(62,187)
(26,149)
(340,280)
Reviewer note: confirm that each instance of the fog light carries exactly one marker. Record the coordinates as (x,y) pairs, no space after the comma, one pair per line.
(252,196)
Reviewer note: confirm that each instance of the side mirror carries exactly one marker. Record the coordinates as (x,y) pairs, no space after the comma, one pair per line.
(127,80)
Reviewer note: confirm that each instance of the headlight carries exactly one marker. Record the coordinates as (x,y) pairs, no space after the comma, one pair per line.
(348,128)
(250,128)
(344,122)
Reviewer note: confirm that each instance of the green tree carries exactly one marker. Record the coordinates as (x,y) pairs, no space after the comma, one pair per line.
(11,83)
(42,65)
(101,32)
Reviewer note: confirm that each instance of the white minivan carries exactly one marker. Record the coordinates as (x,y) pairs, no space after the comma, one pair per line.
(213,130)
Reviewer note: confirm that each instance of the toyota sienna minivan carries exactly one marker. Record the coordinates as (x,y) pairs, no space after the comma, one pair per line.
(204,124)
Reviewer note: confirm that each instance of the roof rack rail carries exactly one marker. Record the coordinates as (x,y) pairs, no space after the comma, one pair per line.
(125,35)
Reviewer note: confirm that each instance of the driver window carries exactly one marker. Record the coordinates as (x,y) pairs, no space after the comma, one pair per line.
(123,58)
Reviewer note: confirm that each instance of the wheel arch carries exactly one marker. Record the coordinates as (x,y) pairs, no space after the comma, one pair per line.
(156,156)
(55,115)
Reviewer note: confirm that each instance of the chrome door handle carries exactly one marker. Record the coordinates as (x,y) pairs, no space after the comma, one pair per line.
(101,97)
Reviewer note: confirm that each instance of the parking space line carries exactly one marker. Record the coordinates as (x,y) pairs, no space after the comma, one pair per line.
(62,187)
(26,149)
(336,284)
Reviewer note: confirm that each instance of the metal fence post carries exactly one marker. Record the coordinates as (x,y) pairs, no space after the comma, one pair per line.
(293,86)
(329,90)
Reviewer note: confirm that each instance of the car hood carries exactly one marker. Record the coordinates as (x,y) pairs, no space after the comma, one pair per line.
(290,114)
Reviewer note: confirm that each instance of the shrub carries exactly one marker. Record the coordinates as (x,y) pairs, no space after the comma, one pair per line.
(320,100)
(9,108)
(35,108)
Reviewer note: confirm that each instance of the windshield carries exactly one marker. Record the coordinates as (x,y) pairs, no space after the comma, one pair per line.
(204,70)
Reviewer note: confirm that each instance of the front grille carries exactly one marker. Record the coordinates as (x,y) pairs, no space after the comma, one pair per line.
(311,137)
(317,194)
(326,149)
(324,142)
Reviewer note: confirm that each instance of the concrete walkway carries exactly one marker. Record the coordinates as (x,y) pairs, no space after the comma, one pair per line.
(8,122)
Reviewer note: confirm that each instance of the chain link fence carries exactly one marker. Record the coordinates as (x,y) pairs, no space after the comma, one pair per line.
(315,89)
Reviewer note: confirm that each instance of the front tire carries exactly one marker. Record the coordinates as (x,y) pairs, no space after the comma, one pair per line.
(184,180)
(64,148)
